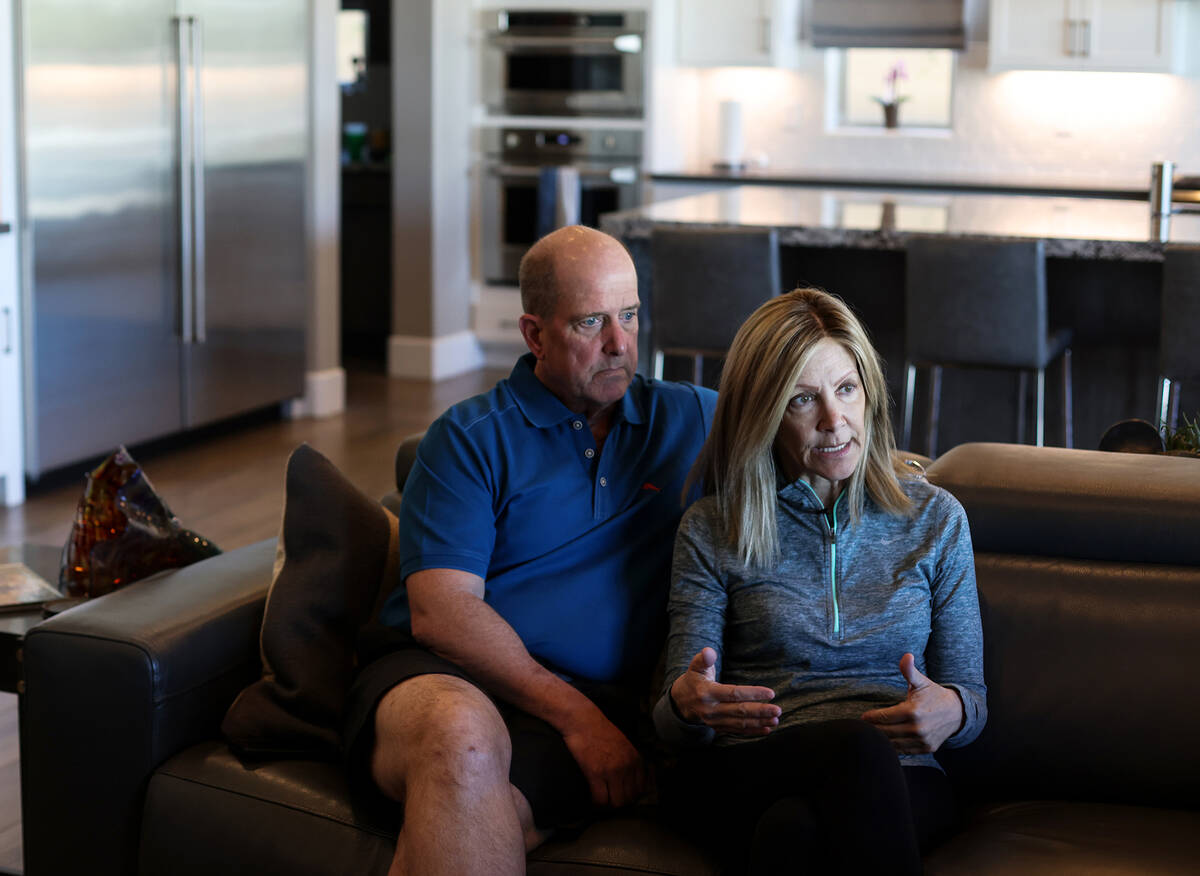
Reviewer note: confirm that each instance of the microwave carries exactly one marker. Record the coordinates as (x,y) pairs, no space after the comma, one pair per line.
(564,63)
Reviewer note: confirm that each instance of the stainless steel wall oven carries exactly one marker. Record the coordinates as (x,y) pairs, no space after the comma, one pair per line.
(564,63)
(607,163)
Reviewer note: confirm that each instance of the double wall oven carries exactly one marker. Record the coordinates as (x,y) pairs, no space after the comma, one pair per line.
(561,142)
(608,165)
(564,63)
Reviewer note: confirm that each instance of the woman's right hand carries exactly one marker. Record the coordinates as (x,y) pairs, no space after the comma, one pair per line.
(738,709)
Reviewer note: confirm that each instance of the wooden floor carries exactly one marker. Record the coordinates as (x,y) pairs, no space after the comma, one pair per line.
(229,488)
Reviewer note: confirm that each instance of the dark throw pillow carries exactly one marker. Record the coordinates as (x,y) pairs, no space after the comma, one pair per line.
(335,562)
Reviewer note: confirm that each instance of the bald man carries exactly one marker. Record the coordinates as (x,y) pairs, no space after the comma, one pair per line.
(536,535)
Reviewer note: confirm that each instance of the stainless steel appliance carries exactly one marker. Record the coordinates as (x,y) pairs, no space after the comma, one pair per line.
(608,164)
(564,63)
(163,146)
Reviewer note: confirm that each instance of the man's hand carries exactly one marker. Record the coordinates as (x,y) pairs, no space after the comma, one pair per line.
(742,710)
(929,715)
(611,765)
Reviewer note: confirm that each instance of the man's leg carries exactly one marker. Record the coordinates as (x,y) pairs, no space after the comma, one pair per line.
(443,751)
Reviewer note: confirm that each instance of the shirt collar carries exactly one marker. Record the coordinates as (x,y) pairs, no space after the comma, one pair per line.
(543,408)
(798,492)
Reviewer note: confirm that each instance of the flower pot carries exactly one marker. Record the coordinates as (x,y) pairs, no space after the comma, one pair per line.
(891,115)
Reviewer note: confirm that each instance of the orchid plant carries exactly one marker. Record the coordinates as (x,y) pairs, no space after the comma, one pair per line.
(894,74)
(1185,439)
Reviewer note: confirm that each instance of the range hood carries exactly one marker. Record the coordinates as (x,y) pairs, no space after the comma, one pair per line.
(905,24)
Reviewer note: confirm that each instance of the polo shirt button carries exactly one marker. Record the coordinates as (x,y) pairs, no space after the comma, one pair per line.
(578,425)
(604,482)
(589,453)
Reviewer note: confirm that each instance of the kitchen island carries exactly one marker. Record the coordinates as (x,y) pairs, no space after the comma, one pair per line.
(1103,278)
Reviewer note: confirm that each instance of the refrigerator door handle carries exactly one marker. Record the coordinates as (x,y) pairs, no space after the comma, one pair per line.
(186,160)
(199,298)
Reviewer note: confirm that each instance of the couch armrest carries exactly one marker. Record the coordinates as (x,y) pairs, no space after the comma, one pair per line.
(1086,504)
(116,686)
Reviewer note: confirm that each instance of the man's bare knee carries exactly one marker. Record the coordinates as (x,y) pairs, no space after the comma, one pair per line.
(442,728)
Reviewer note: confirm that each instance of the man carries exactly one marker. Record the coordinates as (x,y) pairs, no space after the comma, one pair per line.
(536,533)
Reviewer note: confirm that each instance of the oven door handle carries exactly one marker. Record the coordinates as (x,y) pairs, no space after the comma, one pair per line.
(621,44)
(618,174)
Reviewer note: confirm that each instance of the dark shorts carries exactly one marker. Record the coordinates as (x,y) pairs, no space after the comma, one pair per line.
(542,768)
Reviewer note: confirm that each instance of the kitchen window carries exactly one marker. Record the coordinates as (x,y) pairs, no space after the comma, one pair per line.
(924,86)
(351,47)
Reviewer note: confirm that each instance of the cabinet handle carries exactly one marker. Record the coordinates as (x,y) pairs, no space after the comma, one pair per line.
(1085,44)
(183,121)
(1069,34)
(8,345)
(764,34)
(199,257)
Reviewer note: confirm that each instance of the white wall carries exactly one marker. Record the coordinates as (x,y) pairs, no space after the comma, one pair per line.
(12,469)
(325,380)
(455,64)
(1022,127)
(433,90)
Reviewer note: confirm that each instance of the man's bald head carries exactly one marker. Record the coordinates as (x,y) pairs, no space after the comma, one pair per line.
(561,259)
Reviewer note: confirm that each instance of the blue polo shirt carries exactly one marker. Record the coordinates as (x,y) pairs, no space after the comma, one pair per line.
(574,545)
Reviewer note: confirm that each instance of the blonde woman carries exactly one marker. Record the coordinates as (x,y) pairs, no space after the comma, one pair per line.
(824,623)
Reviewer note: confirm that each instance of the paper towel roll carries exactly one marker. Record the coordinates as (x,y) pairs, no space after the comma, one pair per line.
(566,209)
(730,153)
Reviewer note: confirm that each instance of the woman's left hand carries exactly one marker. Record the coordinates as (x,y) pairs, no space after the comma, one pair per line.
(929,715)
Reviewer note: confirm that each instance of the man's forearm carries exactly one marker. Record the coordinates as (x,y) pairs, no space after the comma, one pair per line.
(465,630)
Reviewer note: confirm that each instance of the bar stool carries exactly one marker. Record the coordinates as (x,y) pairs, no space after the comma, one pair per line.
(980,304)
(705,283)
(1178,347)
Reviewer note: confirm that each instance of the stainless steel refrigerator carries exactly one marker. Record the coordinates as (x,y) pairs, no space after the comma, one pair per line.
(163,150)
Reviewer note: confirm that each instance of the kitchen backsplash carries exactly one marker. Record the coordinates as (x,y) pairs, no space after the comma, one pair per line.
(1025,127)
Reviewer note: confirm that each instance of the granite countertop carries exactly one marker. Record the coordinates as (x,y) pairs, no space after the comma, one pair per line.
(1073,227)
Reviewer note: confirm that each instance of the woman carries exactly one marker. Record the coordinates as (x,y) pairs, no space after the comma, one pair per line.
(824,622)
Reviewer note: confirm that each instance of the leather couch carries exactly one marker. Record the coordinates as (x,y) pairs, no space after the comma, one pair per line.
(1089,575)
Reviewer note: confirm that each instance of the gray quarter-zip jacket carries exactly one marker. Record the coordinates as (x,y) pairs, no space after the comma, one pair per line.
(826,627)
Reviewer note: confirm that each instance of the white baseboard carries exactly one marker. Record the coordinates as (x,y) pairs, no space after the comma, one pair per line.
(324,395)
(12,490)
(434,358)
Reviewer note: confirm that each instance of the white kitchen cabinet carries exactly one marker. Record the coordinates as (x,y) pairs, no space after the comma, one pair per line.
(738,33)
(1119,35)
(497,325)
(12,468)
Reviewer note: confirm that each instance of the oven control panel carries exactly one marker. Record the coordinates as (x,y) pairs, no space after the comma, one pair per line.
(555,145)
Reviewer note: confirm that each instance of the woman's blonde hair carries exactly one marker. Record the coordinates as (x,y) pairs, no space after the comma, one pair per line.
(737,464)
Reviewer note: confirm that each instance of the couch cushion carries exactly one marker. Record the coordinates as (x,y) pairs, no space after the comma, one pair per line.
(1087,504)
(621,843)
(206,812)
(1050,838)
(335,563)
(1093,688)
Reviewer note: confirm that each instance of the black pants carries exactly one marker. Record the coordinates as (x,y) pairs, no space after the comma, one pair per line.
(820,798)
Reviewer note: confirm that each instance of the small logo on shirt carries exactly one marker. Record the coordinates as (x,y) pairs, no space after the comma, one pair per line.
(650,486)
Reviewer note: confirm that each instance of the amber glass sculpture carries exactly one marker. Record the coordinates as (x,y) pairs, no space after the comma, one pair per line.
(123,532)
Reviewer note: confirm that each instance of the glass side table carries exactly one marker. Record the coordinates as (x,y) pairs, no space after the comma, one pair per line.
(44,560)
